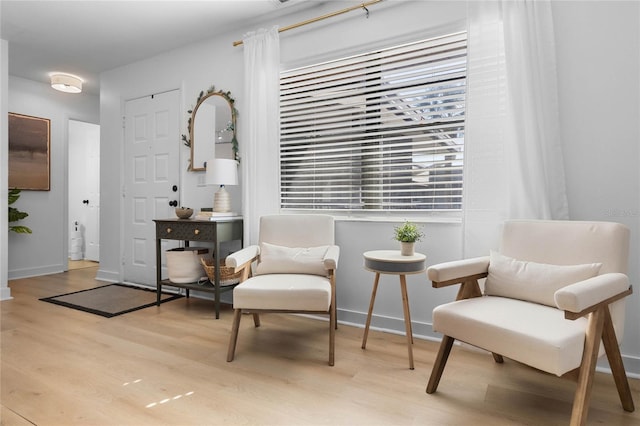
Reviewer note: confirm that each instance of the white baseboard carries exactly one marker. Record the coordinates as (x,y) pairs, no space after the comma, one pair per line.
(5,293)
(35,272)
(108,276)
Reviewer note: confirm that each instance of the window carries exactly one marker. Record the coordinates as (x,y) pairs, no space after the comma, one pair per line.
(379,131)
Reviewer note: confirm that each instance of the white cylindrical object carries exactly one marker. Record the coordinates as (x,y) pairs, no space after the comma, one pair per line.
(75,251)
(184,266)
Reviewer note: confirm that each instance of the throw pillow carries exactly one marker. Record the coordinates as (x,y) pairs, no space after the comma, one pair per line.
(531,281)
(291,260)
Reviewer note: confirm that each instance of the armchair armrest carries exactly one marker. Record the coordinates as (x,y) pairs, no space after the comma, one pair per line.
(241,257)
(458,271)
(331,257)
(585,296)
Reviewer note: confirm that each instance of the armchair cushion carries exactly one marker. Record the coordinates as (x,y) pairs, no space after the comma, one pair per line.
(534,334)
(292,292)
(276,259)
(531,281)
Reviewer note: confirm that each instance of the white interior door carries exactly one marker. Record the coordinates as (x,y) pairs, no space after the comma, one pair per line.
(84,190)
(152,172)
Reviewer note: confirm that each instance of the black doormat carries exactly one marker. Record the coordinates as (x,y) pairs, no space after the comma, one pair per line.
(110,300)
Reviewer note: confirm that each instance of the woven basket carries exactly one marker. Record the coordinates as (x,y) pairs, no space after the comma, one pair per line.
(227,275)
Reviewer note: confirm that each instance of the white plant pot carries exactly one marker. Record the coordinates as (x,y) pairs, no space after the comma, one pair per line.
(407,249)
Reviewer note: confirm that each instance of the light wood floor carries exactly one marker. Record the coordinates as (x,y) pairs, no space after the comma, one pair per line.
(80,264)
(166,365)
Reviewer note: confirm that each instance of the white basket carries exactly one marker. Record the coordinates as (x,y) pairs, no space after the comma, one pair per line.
(183,264)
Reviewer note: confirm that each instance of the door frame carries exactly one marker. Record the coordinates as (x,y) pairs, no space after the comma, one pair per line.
(64,256)
(68,183)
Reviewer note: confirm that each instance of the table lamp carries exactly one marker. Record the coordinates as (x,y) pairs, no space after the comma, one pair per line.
(221,171)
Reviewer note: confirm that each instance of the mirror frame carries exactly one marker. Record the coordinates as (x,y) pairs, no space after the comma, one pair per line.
(202,97)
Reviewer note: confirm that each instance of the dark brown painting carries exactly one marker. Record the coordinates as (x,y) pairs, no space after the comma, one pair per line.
(29,139)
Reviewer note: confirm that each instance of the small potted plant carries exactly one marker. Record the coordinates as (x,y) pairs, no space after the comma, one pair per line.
(408,233)
(15,214)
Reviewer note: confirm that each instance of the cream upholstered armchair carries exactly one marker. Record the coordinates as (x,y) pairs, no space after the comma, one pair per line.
(552,294)
(295,272)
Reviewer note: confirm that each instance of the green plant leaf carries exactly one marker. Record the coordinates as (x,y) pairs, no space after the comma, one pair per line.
(20,229)
(14,194)
(15,214)
(408,232)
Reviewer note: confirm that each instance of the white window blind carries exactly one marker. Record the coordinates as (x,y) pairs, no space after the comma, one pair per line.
(379,131)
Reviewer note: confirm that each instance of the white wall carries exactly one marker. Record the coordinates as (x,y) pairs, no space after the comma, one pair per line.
(598,50)
(599,127)
(45,251)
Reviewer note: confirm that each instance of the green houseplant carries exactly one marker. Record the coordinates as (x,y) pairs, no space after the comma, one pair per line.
(15,214)
(408,233)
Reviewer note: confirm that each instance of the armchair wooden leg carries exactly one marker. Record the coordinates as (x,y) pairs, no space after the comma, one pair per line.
(237,315)
(256,320)
(497,358)
(441,360)
(615,362)
(334,298)
(587,368)
(332,335)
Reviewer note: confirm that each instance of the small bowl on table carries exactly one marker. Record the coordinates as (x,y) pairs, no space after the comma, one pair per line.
(184,212)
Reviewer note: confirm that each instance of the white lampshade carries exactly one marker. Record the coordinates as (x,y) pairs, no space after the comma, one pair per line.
(221,171)
(66,83)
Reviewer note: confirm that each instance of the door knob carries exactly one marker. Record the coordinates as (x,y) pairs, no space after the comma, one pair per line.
(173,203)
(85,202)
(174,188)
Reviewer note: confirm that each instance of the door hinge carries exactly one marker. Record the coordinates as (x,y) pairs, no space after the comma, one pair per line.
(124,122)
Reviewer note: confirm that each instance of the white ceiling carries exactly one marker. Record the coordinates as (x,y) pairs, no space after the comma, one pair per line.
(85,38)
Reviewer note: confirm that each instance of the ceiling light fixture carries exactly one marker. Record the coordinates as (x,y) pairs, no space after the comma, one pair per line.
(66,83)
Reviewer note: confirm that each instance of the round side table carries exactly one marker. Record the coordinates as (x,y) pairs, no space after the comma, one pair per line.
(392,262)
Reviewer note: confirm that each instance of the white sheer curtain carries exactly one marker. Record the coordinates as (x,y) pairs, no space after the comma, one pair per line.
(261,130)
(513,157)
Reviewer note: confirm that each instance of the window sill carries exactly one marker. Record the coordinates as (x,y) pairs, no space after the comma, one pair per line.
(399,219)
(391,217)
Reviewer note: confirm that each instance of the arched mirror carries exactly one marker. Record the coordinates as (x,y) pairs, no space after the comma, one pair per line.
(212,129)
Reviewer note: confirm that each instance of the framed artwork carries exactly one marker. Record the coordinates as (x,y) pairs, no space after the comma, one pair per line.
(29,156)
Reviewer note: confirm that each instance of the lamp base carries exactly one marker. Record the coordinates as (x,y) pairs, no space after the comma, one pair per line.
(222,201)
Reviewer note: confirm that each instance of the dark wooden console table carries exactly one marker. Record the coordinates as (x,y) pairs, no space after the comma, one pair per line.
(215,231)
